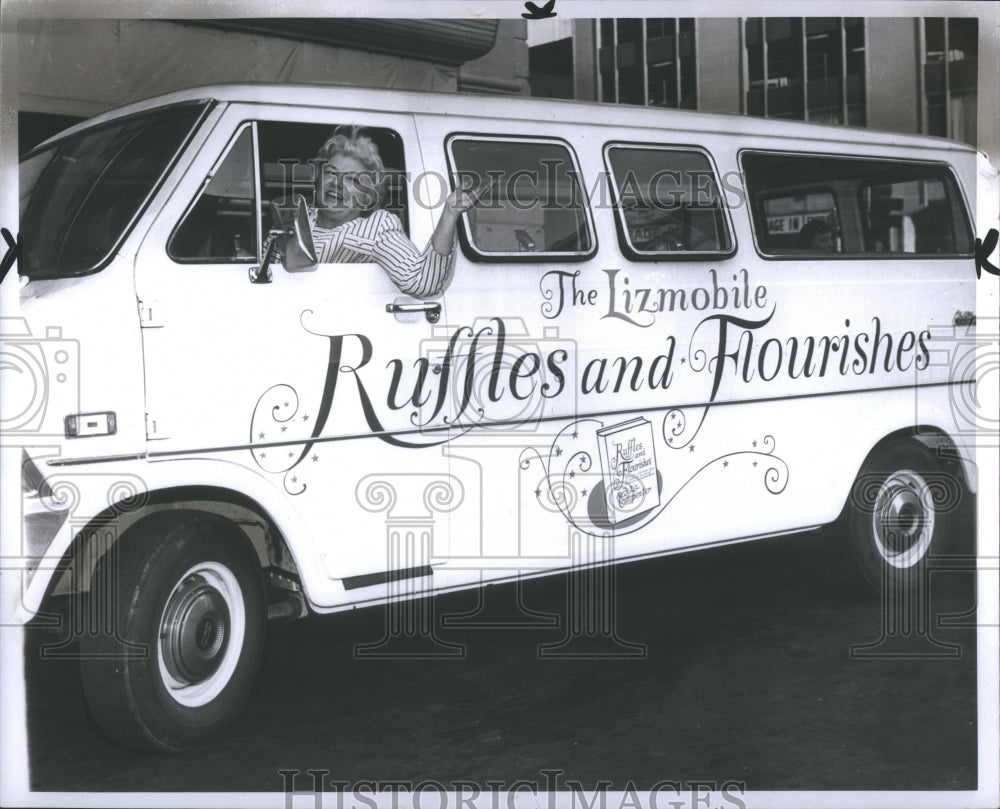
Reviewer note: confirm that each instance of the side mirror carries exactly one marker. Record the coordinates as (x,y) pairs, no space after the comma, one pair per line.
(300,252)
(289,241)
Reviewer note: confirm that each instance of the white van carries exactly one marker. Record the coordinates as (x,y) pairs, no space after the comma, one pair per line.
(643,349)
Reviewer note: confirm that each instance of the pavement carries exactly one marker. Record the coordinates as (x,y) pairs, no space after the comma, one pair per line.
(748,664)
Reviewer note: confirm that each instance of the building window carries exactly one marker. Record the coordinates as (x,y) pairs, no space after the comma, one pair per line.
(805,69)
(648,62)
(949,55)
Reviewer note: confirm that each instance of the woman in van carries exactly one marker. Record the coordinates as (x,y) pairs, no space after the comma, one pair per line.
(350,225)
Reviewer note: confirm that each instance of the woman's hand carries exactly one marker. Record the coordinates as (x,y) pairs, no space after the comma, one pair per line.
(457,203)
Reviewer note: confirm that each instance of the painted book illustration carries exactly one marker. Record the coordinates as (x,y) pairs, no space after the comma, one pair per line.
(628,461)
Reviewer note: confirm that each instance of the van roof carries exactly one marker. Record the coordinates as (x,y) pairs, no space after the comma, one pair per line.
(513,108)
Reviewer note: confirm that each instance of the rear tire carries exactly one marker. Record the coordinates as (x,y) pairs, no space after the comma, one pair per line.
(184,631)
(898,514)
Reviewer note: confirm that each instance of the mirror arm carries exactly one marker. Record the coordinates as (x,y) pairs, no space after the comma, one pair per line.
(262,274)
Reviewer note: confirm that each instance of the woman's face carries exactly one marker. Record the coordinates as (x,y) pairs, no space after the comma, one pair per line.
(343,194)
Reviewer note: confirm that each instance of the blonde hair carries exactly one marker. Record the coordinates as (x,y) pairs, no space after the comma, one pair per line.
(347,140)
(355,145)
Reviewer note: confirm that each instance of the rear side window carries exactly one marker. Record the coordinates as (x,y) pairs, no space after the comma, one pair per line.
(668,202)
(531,201)
(820,206)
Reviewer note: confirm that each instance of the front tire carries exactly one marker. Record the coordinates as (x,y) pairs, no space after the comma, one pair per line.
(186,623)
(897,516)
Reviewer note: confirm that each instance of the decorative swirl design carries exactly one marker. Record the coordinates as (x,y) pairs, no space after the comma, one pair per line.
(675,427)
(529,454)
(775,479)
(563,495)
(270,423)
(127,495)
(64,495)
(561,488)
(375,496)
(865,491)
(945,490)
(293,485)
(443,496)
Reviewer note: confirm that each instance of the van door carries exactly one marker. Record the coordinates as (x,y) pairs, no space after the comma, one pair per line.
(306,380)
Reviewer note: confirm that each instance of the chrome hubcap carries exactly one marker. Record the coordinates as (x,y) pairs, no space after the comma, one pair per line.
(194,631)
(903,519)
(201,635)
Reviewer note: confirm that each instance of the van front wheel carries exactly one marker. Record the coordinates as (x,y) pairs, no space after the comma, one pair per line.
(185,629)
(897,515)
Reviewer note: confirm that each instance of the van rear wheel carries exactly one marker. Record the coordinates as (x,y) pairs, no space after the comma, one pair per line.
(185,630)
(896,517)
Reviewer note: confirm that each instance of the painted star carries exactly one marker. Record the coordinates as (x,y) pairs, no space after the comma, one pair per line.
(315,458)
(305,418)
(283,428)
(691,448)
(754,463)
(290,454)
(538,492)
(572,474)
(558,451)
(755,443)
(261,436)
(725,463)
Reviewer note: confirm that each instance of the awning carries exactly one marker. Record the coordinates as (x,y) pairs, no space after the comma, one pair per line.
(446,42)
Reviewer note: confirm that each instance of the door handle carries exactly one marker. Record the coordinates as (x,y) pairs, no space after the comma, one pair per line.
(964,318)
(431,310)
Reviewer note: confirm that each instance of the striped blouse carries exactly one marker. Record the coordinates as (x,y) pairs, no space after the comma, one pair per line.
(380,238)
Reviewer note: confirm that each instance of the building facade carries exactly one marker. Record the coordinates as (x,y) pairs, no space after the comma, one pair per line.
(915,75)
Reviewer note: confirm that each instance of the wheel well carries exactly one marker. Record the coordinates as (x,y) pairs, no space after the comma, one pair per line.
(247,516)
(935,440)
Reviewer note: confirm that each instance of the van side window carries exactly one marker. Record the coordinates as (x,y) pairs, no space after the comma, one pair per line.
(667,201)
(531,199)
(221,225)
(872,206)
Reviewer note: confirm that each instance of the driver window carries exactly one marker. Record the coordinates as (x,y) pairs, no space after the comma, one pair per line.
(220,226)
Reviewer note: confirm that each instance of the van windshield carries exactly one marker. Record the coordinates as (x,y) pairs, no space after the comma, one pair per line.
(80,196)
